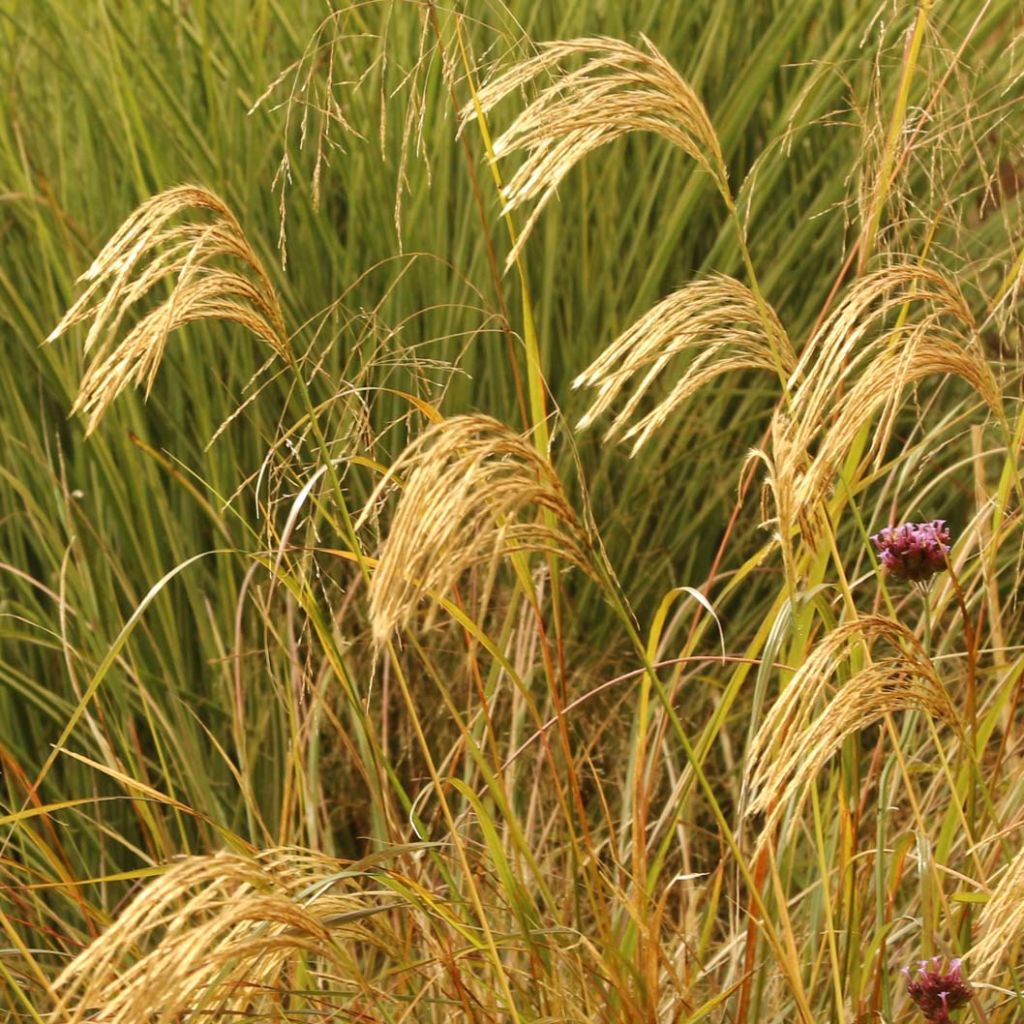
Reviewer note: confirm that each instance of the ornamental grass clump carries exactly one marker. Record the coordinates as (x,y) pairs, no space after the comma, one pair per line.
(410,699)
(913,552)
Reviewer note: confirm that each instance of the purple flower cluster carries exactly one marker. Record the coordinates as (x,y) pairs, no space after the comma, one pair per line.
(913,551)
(938,992)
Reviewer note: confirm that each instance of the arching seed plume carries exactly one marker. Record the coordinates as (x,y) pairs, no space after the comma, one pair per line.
(150,249)
(720,319)
(472,490)
(858,366)
(812,717)
(1001,922)
(618,89)
(222,931)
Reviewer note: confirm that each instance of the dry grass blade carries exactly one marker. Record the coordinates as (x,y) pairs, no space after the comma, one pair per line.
(151,248)
(805,728)
(1001,923)
(221,932)
(619,89)
(472,491)
(721,317)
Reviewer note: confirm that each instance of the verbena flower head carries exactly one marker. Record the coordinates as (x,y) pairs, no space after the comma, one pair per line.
(913,551)
(936,991)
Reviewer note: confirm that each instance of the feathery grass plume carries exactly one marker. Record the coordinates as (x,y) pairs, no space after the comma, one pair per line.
(1001,922)
(856,330)
(619,89)
(806,726)
(472,490)
(224,934)
(878,392)
(720,316)
(857,366)
(150,249)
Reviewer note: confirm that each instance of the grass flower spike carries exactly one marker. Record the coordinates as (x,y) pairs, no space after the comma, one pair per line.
(913,551)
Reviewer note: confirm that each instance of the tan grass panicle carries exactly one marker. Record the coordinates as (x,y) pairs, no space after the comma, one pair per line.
(1001,922)
(472,490)
(220,934)
(619,89)
(885,311)
(816,712)
(320,96)
(153,248)
(719,317)
(895,327)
